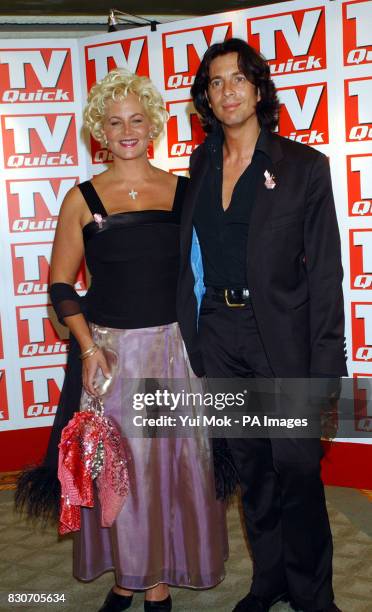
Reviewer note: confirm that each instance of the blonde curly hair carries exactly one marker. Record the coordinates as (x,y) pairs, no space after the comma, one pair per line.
(116,85)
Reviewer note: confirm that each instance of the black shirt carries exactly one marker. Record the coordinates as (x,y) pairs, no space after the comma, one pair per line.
(223,234)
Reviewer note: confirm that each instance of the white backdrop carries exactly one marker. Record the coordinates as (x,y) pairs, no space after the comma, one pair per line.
(321,56)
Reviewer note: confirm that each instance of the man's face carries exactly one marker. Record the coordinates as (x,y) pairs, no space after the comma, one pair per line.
(231,96)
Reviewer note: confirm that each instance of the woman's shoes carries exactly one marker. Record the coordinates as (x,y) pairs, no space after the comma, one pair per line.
(165,605)
(116,603)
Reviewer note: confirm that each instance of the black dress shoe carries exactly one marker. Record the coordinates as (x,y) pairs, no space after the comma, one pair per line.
(116,603)
(165,605)
(253,603)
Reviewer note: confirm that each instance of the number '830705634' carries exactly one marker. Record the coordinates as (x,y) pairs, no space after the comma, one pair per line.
(19,598)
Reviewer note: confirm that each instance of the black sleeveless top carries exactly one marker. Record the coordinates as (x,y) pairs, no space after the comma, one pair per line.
(133,259)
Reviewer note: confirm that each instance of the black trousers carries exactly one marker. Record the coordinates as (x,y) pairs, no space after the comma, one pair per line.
(282,492)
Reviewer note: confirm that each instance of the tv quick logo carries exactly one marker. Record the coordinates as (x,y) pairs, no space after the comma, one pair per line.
(361,316)
(36,75)
(291,42)
(361,259)
(33,205)
(39,140)
(357,32)
(4,412)
(363,401)
(183,128)
(130,53)
(39,332)
(31,268)
(183,51)
(304,113)
(358,109)
(359,179)
(41,389)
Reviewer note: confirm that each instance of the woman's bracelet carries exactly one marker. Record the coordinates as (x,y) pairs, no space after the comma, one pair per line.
(89,352)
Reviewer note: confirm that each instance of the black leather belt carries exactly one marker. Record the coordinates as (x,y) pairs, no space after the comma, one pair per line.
(235,298)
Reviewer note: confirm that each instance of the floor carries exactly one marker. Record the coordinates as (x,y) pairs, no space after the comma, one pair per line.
(32,561)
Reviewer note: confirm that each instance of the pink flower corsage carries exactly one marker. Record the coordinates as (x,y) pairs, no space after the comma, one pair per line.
(98,219)
(269,180)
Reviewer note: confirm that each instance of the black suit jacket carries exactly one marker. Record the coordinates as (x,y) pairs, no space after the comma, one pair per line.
(294,269)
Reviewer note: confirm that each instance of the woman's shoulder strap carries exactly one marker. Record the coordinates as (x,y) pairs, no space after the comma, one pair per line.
(92,198)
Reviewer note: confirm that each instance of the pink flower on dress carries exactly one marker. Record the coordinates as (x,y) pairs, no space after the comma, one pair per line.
(269,180)
(98,219)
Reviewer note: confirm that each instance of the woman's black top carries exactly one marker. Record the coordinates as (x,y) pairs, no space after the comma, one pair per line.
(133,259)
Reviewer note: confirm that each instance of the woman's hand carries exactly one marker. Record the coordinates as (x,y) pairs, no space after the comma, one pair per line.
(91,365)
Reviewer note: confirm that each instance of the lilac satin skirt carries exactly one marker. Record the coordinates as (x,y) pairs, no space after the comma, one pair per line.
(171,529)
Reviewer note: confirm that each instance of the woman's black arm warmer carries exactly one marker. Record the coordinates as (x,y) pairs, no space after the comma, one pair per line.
(65,300)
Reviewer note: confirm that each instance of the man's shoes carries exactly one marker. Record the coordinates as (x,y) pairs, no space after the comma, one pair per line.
(253,603)
(116,603)
(165,605)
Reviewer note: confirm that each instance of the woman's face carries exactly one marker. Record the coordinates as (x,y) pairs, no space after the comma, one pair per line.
(127,128)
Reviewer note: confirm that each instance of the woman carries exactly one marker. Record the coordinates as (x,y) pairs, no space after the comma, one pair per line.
(126,222)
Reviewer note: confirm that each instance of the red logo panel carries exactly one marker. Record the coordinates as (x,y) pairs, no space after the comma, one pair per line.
(4,412)
(39,141)
(183,128)
(358,109)
(359,180)
(39,332)
(41,388)
(362,402)
(291,42)
(33,204)
(131,53)
(361,259)
(361,319)
(304,113)
(31,268)
(36,75)
(183,51)
(357,32)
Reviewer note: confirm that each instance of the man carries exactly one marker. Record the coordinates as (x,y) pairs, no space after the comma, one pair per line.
(264,215)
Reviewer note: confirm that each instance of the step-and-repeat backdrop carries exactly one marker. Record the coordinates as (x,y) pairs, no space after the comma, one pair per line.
(320,56)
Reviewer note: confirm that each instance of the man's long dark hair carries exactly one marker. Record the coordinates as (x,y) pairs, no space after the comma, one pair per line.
(257,71)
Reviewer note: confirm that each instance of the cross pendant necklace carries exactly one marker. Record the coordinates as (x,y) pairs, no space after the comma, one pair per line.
(133,194)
